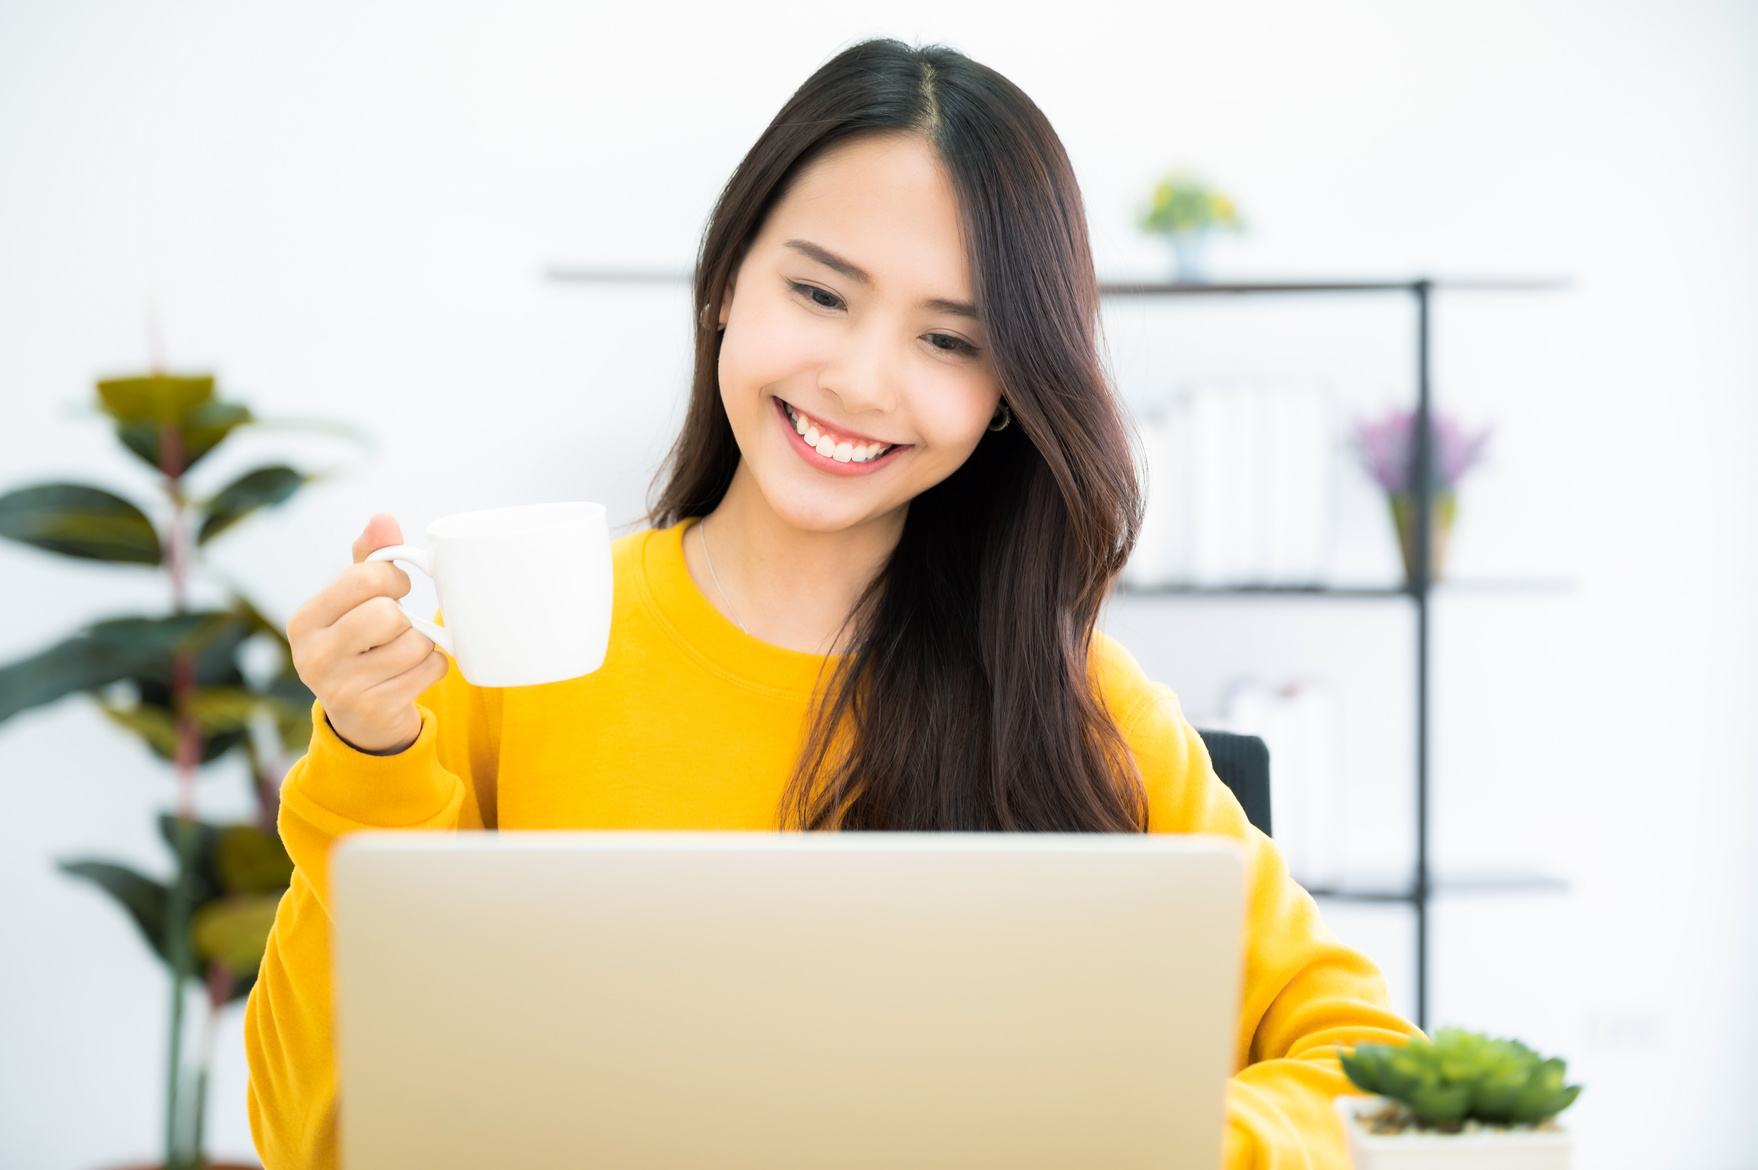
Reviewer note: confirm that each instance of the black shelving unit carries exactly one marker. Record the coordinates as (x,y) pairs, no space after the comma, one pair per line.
(1418,592)
(1420,889)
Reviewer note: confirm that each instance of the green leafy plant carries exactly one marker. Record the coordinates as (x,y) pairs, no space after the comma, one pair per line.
(178,682)
(1183,203)
(1460,1076)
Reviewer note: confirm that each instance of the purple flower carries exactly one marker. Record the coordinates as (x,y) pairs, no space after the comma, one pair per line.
(1387,450)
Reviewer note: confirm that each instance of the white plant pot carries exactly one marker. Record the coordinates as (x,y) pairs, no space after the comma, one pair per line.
(1483,1150)
(1190,255)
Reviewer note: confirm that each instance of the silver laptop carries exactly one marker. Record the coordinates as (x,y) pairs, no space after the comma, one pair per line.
(733,1000)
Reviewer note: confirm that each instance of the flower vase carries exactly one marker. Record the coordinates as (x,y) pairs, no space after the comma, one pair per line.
(1440,528)
(1190,254)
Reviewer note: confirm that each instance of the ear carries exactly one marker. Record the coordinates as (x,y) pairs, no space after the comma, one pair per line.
(726,297)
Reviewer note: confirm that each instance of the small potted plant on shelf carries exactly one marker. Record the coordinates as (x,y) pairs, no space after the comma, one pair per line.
(1386,448)
(1460,1100)
(1187,212)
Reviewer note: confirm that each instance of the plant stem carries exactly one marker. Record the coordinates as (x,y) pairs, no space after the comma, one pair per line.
(219,990)
(188,757)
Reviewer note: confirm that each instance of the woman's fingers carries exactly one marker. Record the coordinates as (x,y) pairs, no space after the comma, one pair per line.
(381,531)
(377,621)
(356,649)
(384,663)
(406,686)
(352,587)
(374,691)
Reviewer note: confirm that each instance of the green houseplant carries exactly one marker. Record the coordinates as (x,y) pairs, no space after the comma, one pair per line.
(1187,211)
(1435,1100)
(178,681)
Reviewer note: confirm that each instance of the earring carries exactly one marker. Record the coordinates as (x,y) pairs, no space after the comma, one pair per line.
(1003,416)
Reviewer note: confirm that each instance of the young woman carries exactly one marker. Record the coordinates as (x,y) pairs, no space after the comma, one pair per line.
(867,600)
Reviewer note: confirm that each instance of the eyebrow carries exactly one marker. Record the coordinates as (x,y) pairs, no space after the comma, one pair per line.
(854,271)
(831,260)
(956,308)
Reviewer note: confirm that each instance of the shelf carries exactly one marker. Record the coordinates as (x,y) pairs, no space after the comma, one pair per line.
(1465,587)
(582,274)
(1461,885)
(587,274)
(1415,892)
(1251,287)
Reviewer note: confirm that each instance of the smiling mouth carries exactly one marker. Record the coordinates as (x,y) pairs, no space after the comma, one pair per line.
(829,444)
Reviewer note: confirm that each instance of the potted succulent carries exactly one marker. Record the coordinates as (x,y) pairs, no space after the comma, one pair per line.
(1458,1101)
(195,685)
(1386,448)
(1187,212)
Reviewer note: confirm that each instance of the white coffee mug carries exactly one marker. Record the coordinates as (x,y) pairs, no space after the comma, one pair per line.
(525,592)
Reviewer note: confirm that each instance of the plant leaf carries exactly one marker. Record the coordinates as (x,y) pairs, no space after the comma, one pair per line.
(259,624)
(104,653)
(143,898)
(1440,1104)
(136,648)
(1361,1068)
(293,701)
(220,709)
(141,651)
(235,931)
(154,398)
(79,521)
(202,431)
(204,877)
(224,714)
(214,644)
(78,664)
(250,861)
(1544,1095)
(153,724)
(262,488)
(1493,1096)
(157,727)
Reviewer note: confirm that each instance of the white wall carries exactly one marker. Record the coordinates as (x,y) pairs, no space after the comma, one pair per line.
(344,209)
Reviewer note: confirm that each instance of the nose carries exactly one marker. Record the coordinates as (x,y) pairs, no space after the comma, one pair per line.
(863,370)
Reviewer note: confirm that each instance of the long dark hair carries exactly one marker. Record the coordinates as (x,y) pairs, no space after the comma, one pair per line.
(965,700)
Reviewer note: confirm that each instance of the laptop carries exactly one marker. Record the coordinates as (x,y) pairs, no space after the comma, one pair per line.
(784,1001)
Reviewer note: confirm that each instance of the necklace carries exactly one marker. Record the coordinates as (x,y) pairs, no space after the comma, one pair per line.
(702,531)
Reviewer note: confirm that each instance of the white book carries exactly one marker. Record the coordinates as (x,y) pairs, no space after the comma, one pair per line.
(1299,459)
(1239,478)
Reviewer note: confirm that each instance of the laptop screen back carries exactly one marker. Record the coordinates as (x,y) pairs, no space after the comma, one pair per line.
(779,1001)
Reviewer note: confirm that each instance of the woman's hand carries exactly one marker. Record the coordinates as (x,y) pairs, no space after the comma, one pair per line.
(354,647)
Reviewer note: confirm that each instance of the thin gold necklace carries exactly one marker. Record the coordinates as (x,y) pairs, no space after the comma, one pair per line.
(702,531)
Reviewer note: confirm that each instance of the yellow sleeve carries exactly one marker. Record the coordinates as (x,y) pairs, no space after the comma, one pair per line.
(1303,992)
(445,780)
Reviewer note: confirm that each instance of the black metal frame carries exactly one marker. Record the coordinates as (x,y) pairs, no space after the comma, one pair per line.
(1419,588)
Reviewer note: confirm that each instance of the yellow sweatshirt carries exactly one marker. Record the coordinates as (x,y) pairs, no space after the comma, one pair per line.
(692,724)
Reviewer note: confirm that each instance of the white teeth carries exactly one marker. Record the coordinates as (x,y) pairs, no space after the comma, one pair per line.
(828,447)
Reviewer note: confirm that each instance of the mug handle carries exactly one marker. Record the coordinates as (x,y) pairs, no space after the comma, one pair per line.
(423,560)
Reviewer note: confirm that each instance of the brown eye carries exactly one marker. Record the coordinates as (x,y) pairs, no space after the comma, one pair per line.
(948,344)
(823,298)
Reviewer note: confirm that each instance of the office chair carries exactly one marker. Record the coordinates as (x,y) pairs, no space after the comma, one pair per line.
(1243,764)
